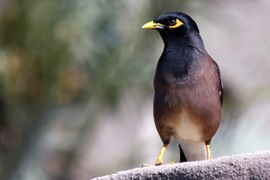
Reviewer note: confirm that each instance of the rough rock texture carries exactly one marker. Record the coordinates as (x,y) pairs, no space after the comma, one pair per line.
(245,166)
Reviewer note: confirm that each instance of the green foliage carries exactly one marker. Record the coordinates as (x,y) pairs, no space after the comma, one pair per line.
(58,53)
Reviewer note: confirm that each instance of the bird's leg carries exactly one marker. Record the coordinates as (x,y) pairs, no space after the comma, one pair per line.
(208,152)
(159,160)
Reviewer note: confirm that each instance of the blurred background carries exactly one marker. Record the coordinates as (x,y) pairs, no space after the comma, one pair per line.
(76,83)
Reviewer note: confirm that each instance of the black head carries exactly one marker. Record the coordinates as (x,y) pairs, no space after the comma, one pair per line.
(174,23)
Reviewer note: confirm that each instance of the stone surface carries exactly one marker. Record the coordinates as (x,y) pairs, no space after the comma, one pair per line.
(244,166)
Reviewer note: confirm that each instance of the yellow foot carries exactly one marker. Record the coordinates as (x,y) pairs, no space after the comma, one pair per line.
(208,152)
(158,163)
(159,160)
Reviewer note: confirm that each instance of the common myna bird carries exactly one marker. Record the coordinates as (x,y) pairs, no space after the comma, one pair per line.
(188,88)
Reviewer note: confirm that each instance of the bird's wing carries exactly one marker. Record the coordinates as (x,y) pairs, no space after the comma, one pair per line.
(220,83)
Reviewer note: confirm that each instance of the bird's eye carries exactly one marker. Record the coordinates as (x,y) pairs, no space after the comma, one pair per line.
(171,22)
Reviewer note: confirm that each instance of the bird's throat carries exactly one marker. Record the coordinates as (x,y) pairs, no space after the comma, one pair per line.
(176,60)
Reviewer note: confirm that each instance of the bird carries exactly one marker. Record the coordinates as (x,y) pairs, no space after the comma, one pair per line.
(188,91)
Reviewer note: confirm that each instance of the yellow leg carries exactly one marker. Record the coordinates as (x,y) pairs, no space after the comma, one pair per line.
(159,160)
(208,151)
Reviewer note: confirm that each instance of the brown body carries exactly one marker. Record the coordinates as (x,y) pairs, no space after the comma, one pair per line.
(195,100)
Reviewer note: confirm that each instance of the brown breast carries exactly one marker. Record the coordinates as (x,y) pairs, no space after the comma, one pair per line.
(189,108)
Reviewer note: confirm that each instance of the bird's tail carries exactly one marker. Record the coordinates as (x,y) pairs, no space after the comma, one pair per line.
(182,154)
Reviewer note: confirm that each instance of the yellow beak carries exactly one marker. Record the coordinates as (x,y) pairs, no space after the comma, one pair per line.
(152,25)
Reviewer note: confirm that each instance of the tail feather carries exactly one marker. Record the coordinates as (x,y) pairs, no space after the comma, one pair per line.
(182,155)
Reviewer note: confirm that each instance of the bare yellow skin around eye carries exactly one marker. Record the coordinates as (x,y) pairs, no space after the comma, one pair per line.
(178,23)
(154,25)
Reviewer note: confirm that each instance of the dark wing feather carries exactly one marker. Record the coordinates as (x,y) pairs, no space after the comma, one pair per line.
(220,83)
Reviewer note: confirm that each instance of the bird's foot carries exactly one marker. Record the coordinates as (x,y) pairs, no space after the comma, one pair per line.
(208,151)
(159,162)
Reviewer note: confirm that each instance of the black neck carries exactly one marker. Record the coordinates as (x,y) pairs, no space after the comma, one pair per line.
(179,53)
(190,39)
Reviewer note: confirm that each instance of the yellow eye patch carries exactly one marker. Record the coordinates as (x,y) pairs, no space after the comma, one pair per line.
(178,23)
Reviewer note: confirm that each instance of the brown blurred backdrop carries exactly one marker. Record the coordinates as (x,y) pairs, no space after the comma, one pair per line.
(76,83)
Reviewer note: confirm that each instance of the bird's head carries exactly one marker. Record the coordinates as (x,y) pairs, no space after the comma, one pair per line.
(172,24)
